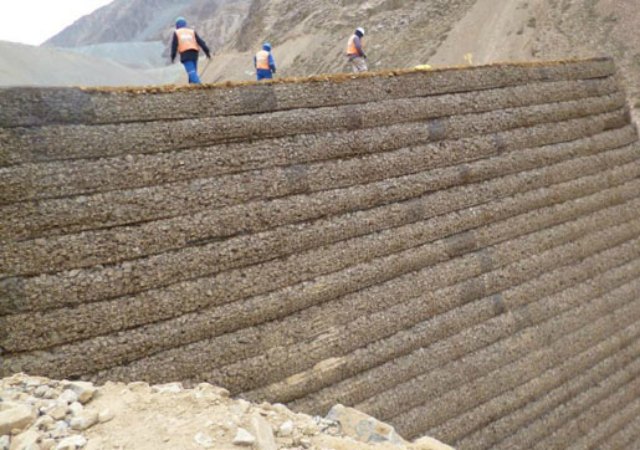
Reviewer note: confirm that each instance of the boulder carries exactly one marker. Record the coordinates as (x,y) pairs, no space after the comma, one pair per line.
(263,433)
(362,427)
(84,420)
(243,438)
(84,390)
(15,417)
(25,441)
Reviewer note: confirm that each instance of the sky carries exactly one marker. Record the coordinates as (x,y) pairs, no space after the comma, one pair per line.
(34,21)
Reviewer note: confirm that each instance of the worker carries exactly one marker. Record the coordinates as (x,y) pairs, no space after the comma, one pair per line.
(264,63)
(187,42)
(355,51)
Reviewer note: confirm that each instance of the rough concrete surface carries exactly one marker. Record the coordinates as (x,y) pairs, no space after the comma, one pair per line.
(456,252)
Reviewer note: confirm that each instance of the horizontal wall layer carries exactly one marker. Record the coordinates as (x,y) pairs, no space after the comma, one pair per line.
(455,251)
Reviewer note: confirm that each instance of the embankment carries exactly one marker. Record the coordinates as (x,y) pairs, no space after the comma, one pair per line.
(456,252)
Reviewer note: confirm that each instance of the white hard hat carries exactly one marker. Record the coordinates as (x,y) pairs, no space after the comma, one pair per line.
(361,30)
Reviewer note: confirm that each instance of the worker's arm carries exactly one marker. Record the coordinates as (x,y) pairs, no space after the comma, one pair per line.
(358,43)
(203,46)
(272,63)
(174,47)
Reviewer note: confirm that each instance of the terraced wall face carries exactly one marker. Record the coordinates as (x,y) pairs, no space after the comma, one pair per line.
(455,252)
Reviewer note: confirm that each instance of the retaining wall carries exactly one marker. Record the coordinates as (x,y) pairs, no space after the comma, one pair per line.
(456,251)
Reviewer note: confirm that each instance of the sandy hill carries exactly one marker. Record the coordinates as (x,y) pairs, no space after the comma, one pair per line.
(25,65)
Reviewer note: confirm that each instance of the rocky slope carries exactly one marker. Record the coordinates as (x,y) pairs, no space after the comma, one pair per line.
(41,414)
(152,21)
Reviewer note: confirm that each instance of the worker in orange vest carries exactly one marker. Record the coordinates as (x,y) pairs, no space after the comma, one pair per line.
(355,51)
(264,63)
(187,42)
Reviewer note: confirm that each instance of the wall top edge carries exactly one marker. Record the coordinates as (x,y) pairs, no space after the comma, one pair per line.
(331,78)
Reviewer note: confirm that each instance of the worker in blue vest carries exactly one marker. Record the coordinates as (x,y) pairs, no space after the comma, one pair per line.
(264,63)
(187,42)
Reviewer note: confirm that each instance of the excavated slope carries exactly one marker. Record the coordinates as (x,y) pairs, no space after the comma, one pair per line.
(456,252)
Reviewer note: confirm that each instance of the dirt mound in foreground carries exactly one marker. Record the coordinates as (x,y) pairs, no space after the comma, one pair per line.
(40,414)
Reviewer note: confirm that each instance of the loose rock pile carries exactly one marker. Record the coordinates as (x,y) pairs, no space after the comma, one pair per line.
(41,414)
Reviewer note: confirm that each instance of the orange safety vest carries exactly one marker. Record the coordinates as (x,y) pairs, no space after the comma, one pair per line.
(262,60)
(351,46)
(187,40)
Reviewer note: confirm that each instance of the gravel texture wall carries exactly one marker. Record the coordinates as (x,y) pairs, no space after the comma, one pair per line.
(456,252)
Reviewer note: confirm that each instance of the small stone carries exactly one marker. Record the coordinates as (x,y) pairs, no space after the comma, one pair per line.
(14,416)
(84,420)
(72,443)
(83,389)
(203,440)
(45,405)
(286,429)
(105,415)
(41,391)
(169,388)
(50,394)
(263,433)
(305,442)
(60,430)
(67,397)
(45,423)
(75,408)
(59,412)
(363,427)
(310,429)
(243,438)
(5,441)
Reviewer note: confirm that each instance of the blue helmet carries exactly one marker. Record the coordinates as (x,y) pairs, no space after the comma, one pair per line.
(181,22)
(266,46)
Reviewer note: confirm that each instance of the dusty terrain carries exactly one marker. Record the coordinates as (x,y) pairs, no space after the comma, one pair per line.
(41,414)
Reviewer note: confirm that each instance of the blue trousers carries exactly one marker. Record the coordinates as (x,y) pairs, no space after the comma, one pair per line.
(192,71)
(263,74)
